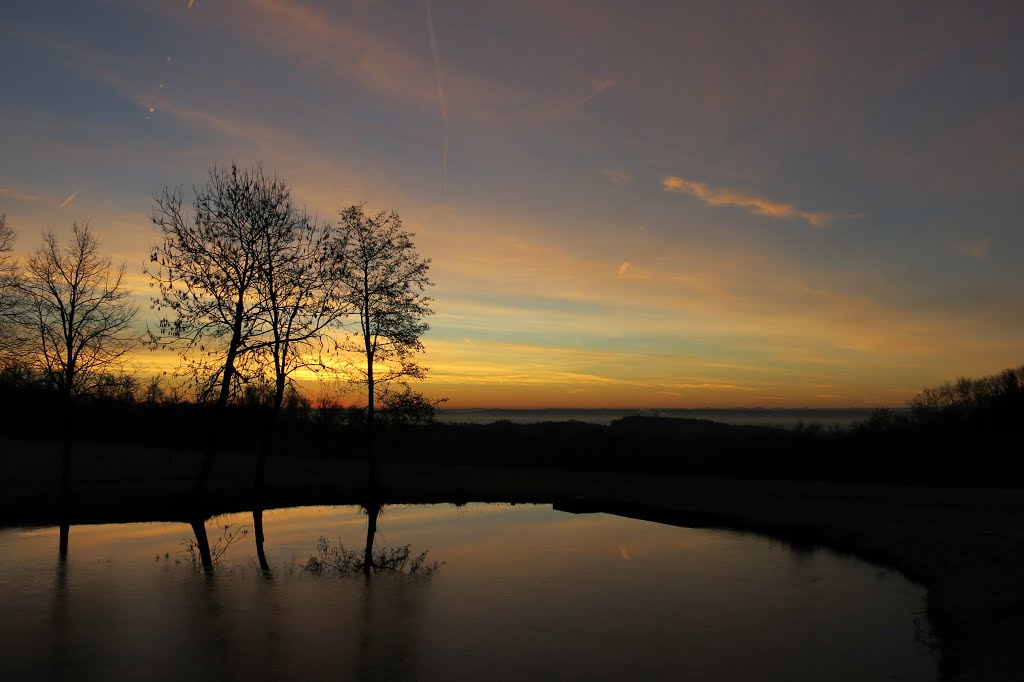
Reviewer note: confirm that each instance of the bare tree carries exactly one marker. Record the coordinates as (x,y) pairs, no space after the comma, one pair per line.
(237,281)
(8,290)
(76,319)
(6,243)
(9,296)
(385,284)
(300,289)
(7,267)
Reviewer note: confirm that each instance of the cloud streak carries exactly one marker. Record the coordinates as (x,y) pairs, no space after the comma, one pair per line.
(977,248)
(69,199)
(723,196)
(442,101)
(16,195)
(597,86)
(616,177)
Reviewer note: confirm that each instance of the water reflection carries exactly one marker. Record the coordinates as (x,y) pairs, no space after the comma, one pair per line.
(526,593)
(336,558)
(202,544)
(261,555)
(60,602)
(388,622)
(372,507)
(62,547)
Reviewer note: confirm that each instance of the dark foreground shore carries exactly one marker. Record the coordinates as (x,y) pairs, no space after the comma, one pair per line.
(965,545)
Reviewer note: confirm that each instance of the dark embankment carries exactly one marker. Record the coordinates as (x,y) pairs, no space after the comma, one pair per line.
(937,496)
(964,543)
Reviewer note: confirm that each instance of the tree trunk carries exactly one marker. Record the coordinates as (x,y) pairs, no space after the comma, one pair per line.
(67,428)
(372,510)
(203,482)
(257,524)
(203,544)
(268,434)
(62,550)
(371,456)
(368,346)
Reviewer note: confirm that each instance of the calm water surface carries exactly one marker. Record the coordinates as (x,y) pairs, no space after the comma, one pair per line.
(525,593)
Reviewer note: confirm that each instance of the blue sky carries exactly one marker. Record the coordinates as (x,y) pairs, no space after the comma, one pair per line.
(626,204)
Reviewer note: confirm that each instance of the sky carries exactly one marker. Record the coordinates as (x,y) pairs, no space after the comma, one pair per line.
(626,204)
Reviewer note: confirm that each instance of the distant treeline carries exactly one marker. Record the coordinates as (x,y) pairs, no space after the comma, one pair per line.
(153,412)
(966,432)
(992,402)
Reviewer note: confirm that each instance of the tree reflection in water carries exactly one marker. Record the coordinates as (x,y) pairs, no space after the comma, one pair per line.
(202,553)
(261,555)
(386,622)
(339,559)
(62,549)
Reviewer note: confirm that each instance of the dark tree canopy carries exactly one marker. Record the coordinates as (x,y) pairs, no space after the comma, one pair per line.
(300,296)
(74,321)
(76,314)
(248,285)
(6,250)
(8,289)
(207,267)
(385,284)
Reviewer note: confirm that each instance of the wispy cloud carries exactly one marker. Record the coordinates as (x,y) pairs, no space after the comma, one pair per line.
(69,199)
(440,90)
(723,196)
(597,86)
(624,268)
(716,387)
(616,177)
(376,61)
(973,248)
(16,195)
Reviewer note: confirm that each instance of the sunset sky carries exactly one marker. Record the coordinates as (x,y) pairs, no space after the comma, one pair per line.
(627,204)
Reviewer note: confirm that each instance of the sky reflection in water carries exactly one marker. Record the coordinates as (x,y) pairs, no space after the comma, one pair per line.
(525,593)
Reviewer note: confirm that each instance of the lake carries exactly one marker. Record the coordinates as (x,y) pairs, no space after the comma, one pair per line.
(524,592)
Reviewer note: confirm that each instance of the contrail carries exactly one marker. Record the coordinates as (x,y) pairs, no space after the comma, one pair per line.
(440,90)
(69,199)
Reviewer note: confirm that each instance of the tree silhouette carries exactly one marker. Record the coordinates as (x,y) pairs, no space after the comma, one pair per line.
(8,289)
(385,283)
(300,294)
(76,320)
(208,270)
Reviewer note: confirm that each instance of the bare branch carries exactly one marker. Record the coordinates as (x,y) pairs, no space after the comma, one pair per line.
(76,315)
(385,284)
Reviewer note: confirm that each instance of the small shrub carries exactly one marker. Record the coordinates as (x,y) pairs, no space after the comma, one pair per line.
(341,560)
(218,549)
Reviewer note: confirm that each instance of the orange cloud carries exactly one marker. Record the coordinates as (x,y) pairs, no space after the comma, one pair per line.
(615,177)
(977,249)
(721,196)
(377,62)
(17,196)
(597,86)
(442,101)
